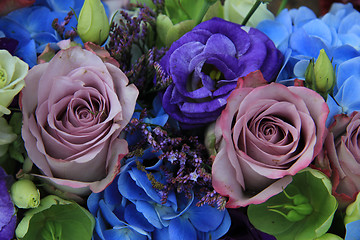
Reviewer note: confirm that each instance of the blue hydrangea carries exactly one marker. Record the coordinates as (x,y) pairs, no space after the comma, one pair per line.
(32,26)
(352,230)
(132,207)
(346,91)
(300,36)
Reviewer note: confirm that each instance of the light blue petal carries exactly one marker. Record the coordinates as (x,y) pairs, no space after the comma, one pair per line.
(144,183)
(343,53)
(348,95)
(276,31)
(348,22)
(300,68)
(303,44)
(318,28)
(347,69)
(334,110)
(61,6)
(352,230)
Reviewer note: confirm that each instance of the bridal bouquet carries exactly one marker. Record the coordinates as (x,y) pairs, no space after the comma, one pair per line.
(179,119)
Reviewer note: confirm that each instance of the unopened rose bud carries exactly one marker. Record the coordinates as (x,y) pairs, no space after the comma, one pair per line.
(320,76)
(93,24)
(25,194)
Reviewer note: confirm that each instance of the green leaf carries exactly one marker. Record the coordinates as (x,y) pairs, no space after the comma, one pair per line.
(316,187)
(16,122)
(69,221)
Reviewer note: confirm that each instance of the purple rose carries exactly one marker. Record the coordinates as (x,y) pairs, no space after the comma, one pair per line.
(264,136)
(74,109)
(205,64)
(7,209)
(340,157)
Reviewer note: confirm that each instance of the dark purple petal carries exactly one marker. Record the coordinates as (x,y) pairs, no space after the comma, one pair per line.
(7,209)
(8,44)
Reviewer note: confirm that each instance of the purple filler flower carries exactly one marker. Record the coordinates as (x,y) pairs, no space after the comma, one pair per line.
(205,64)
(7,210)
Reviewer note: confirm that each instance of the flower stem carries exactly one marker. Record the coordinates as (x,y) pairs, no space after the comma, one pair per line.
(252,10)
(204,10)
(282,6)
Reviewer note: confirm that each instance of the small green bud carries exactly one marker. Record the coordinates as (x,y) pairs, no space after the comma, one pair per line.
(321,75)
(93,24)
(25,194)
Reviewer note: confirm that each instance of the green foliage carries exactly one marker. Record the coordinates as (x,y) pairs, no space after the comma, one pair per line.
(309,188)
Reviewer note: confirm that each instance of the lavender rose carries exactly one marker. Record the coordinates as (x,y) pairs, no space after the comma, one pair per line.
(340,157)
(74,108)
(265,135)
(205,64)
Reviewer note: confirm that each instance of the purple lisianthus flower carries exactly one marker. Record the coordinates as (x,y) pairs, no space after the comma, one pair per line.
(205,63)
(7,209)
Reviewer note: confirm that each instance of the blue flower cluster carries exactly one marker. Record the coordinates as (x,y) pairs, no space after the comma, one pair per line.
(300,36)
(32,26)
(140,204)
(132,207)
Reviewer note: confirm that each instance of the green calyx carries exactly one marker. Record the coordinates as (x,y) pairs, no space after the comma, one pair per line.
(3,77)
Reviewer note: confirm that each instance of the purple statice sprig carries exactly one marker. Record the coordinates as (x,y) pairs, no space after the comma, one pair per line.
(131,43)
(186,164)
(60,27)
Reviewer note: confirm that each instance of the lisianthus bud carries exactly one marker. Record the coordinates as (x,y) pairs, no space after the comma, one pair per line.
(320,76)
(25,194)
(93,24)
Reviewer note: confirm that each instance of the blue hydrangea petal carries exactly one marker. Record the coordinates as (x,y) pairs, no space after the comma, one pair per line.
(307,45)
(93,202)
(63,6)
(276,31)
(130,190)
(318,28)
(180,229)
(334,109)
(352,230)
(108,214)
(222,229)
(123,233)
(301,16)
(199,217)
(135,218)
(111,194)
(348,22)
(346,70)
(148,210)
(27,53)
(343,53)
(348,95)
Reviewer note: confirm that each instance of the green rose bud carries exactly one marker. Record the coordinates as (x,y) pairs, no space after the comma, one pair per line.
(353,211)
(25,194)
(93,24)
(320,76)
(12,74)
